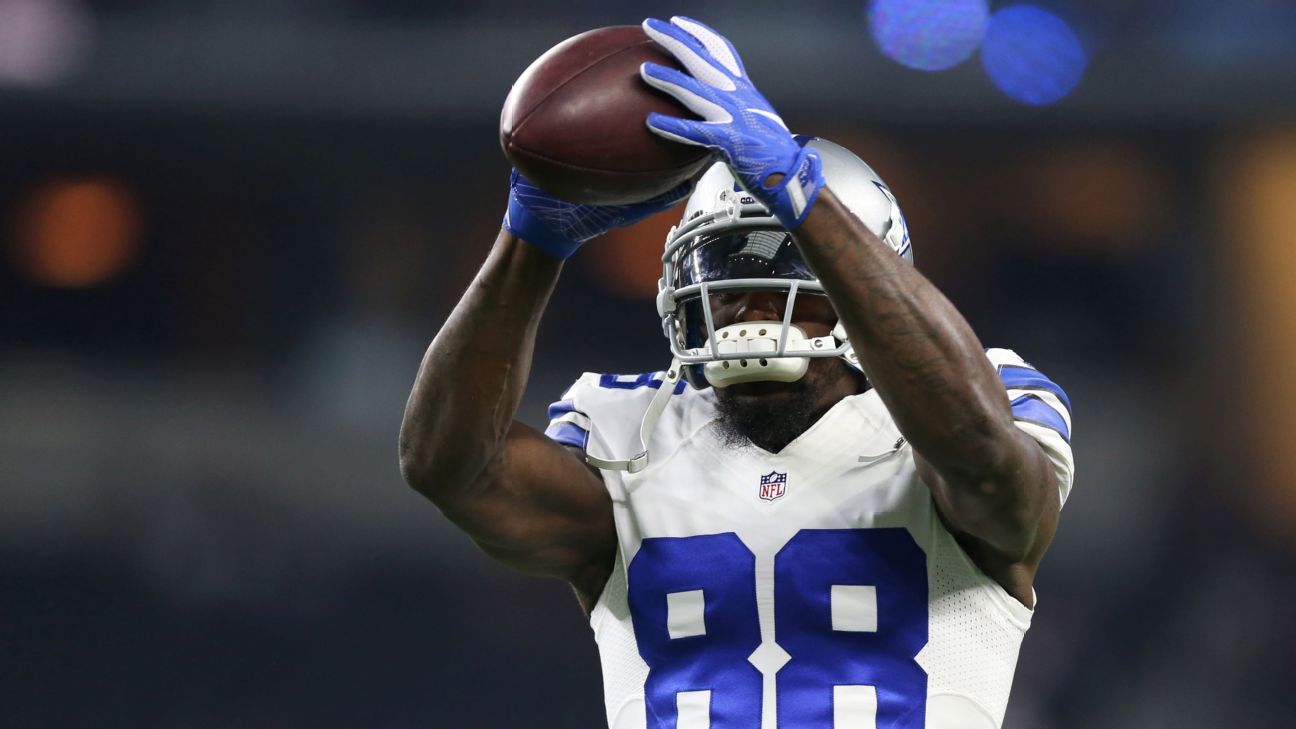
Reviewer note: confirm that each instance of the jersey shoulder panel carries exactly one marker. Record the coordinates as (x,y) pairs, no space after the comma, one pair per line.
(601,413)
(1041,409)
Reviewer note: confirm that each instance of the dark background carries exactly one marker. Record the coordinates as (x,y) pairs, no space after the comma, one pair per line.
(229,229)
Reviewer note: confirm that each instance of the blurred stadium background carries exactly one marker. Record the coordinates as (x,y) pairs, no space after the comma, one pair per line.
(228,229)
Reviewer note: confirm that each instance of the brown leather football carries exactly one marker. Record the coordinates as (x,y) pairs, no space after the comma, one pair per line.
(574,122)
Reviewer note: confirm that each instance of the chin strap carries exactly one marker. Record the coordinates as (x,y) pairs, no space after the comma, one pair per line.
(639,461)
(851,358)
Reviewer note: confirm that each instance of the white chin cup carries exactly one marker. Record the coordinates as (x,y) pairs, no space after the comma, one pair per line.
(760,340)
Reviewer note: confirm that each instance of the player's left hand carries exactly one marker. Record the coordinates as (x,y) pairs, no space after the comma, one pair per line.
(738,122)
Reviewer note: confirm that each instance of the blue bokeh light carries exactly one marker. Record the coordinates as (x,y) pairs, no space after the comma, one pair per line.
(929,35)
(1032,55)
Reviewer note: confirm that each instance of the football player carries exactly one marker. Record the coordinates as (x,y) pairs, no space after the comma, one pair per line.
(826,513)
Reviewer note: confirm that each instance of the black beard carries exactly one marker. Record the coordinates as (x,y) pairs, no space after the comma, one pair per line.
(777,413)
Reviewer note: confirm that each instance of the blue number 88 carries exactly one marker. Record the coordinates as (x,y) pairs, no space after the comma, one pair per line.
(885,566)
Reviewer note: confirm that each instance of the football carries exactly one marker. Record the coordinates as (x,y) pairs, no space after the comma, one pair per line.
(574,121)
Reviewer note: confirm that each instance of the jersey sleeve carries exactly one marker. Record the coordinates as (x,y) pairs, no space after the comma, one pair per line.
(1041,409)
(570,423)
(601,413)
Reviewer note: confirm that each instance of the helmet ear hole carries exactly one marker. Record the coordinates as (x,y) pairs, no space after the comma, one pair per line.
(696,377)
(692,332)
(693,323)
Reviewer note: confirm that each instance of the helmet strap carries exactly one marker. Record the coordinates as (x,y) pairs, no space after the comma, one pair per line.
(639,461)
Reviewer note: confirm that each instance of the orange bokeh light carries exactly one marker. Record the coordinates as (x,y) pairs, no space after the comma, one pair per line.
(1096,197)
(627,261)
(1254,178)
(76,233)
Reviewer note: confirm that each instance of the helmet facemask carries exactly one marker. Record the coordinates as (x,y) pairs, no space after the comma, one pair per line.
(741,259)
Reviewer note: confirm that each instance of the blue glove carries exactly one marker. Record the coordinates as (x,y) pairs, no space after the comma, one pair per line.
(738,122)
(558,227)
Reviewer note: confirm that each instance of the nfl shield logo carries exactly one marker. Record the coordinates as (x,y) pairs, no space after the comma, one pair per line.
(773,485)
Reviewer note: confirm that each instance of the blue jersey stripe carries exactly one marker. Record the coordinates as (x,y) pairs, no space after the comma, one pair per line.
(561,408)
(1025,378)
(568,434)
(634,382)
(1031,409)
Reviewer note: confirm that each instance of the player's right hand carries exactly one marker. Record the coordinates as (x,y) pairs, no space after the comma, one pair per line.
(737,121)
(558,227)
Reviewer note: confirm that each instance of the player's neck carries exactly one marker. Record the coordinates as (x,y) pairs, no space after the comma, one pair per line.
(772,422)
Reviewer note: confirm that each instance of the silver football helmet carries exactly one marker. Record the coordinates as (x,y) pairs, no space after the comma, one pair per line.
(727,241)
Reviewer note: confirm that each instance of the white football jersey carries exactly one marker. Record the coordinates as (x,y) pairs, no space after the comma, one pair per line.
(815,588)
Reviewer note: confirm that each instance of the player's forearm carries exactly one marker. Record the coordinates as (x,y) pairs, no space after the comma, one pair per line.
(475,371)
(918,351)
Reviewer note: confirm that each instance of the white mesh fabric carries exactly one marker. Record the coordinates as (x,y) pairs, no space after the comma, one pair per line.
(975,629)
(697,66)
(718,47)
(624,672)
